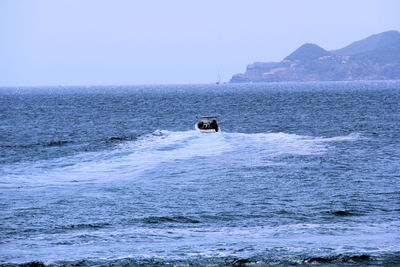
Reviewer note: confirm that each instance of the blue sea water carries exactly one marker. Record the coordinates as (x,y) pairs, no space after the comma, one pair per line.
(302,173)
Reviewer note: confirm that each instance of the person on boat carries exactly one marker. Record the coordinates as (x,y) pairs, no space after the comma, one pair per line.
(214,125)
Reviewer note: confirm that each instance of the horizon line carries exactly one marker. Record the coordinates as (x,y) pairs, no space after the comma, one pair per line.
(183,84)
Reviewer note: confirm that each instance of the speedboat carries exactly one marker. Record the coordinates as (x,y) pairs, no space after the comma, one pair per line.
(207,124)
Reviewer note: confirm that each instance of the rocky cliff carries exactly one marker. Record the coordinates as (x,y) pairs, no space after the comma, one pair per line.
(374,58)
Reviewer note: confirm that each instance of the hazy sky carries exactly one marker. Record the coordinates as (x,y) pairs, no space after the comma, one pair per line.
(118,42)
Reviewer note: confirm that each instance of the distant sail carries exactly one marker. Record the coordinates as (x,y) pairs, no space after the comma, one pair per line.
(219,79)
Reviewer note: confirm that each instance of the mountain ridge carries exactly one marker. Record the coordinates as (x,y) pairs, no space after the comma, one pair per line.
(376,57)
(367,44)
(307,51)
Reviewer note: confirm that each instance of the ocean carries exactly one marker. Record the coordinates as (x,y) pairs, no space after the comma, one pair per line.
(301,174)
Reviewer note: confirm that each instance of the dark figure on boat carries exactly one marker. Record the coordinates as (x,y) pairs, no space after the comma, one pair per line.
(214,125)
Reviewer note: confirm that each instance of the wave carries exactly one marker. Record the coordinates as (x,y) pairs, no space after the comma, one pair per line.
(357,259)
(50,143)
(84,226)
(166,219)
(391,259)
(343,213)
(118,139)
(283,245)
(59,143)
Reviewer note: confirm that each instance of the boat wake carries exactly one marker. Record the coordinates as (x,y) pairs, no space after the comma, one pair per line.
(132,159)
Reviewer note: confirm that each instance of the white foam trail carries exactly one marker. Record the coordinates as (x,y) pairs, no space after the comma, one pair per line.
(133,158)
(350,137)
(127,161)
(275,144)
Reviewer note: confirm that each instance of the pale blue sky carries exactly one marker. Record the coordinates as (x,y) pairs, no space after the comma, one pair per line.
(119,42)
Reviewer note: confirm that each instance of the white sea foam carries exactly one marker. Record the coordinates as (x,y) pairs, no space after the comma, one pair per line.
(238,240)
(131,159)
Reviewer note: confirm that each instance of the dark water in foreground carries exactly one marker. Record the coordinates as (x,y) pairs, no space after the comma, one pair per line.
(302,174)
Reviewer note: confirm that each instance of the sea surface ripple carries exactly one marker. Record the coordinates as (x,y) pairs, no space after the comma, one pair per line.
(302,173)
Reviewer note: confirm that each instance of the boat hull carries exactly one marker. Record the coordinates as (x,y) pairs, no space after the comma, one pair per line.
(206,130)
